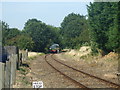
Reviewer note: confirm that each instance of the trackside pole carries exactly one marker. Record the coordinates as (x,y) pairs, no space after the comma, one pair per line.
(118,74)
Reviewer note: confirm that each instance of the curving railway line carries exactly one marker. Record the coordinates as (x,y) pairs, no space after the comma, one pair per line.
(78,77)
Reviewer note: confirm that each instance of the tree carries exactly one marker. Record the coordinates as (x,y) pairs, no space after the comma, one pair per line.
(1,38)
(43,35)
(114,32)
(21,41)
(71,28)
(118,21)
(102,25)
(35,29)
(8,33)
(5,30)
(13,32)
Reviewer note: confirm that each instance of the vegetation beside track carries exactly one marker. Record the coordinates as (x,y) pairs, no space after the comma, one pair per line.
(22,78)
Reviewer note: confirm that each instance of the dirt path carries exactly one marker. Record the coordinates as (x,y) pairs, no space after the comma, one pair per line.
(39,70)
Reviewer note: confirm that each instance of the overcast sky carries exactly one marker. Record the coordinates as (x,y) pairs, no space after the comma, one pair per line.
(52,13)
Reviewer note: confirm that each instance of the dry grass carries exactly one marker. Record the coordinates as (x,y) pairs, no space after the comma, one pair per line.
(21,80)
(32,54)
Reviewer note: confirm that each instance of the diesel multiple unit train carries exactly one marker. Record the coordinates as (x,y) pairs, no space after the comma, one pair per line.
(54,48)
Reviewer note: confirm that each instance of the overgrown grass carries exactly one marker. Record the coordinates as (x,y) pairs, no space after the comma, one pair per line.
(23,71)
(41,54)
(90,57)
(33,57)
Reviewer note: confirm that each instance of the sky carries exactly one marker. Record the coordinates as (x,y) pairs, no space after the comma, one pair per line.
(15,14)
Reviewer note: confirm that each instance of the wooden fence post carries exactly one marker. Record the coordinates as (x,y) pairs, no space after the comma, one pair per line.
(7,74)
(13,60)
(2,74)
(26,54)
(15,65)
(20,59)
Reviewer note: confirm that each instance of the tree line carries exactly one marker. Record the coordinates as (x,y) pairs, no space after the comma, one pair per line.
(104,26)
(36,36)
(100,29)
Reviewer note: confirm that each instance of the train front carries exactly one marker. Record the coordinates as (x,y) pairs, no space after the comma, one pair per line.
(54,48)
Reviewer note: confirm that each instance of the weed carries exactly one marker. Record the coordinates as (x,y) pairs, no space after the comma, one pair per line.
(23,71)
(41,54)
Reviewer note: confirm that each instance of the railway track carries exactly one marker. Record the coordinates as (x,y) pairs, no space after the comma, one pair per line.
(83,79)
(74,81)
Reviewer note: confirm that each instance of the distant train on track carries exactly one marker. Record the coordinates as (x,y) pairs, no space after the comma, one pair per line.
(54,48)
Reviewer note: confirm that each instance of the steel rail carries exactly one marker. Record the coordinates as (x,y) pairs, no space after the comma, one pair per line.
(76,82)
(106,81)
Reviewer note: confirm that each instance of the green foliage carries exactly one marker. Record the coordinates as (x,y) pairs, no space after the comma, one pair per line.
(113,38)
(118,21)
(14,37)
(101,30)
(9,33)
(0,33)
(5,30)
(103,24)
(72,29)
(36,36)
(22,41)
(35,29)
(13,32)
(113,33)
(43,35)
